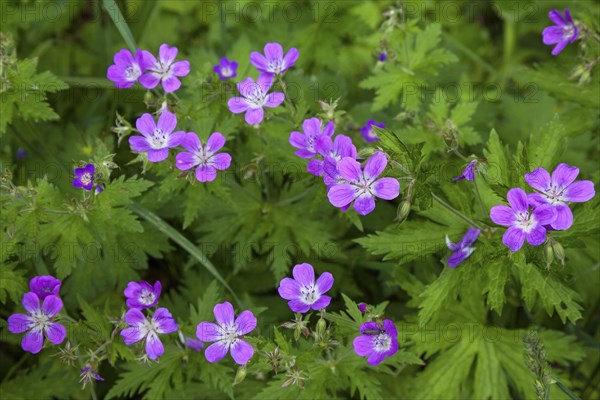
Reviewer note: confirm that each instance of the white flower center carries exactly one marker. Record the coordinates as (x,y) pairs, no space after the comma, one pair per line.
(276,66)
(382,342)
(133,72)
(86,178)
(554,194)
(147,327)
(226,72)
(147,297)
(229,335)
(158,140)
(255,97)
(568,31)
(526,222)
(309,294)
(203,156)
(40,321)
(371,133)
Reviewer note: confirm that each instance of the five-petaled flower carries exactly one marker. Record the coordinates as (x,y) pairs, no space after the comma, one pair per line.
(303,292)
(84,177)
(557,190)
(156,138)
(204,157)
(143,329)
(44,286)
(368,132)
(468,173)
(142,294)
(39,322)
(226,69)
(522,222)
(274,62)
(376,342)
(305,142)
(336,149)
(255,97)
(463,249)
(126,69)
(164,70)
(363,186)
(227,333)
(563,32)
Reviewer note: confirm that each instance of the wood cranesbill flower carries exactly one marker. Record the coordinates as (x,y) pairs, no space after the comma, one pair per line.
(142,294)
(463,249)
(226,69)
(336,149)
(558,190)
(255,96)
(84,177)
(368,132)
(226,334)
(468,173)
(376,341)
(522,222)
(305,141)
(44,286)
(163,70)
(274,62)
(363,186)
(39,322)
(204,157)
(156,138)
(563,32)
(303,292)
(143,329)
(87,374)
(126,69)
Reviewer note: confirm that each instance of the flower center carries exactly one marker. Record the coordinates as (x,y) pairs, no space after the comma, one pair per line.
(526,222)
(159,139)
(148,327)
(147,297)
(86,178)
(309,294)
(554,194)
(382,342)
(229,334)
(40,320)
(255,96)
(276,66)
(226,72)
(203,156)
(371,133)
(132,72)
(568,31)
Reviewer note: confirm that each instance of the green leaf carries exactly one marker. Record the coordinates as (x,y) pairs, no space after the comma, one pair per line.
(546,147)
(498,274)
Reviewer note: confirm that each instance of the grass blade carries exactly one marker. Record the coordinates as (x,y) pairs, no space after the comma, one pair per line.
(115,14)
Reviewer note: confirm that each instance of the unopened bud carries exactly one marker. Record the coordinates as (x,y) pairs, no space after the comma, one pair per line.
(548,254)
(148,97)
(559,252)
(240,375)
(403,211)
(321,326)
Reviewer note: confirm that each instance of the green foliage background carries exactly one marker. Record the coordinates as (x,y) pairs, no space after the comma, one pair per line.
(469,77)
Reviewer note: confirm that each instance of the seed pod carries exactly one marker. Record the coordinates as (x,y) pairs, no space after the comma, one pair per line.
(240,375)
(559,252)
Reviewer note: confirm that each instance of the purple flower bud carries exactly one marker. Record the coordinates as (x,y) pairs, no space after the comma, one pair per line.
(468,173)
(367,130)
(362,307)
(44,286)
(463,249)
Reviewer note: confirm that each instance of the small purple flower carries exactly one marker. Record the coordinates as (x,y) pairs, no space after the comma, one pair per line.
(142,294)
(376,342)
(362,307)
(226,69)
(44,286)
(157,138)
(462,250)
(255,97)
(87,374)
(99,188)
(336,149)
(368,132)
(84,177)
(468,173)
(563,32)
(227,333)
(21,154)
(522,223)
(126,70)
(143,329)
(204,157)
(303,292)
(383,56)
(558,190)
(194,344)
(38,323)
(274,62)
(305,142)
(164,70)
(363,186)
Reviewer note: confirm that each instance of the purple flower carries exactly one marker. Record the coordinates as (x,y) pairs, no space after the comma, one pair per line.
(376,342)
(468,173)
(126,70)
(462,250)
(84,177)
(336,149)
(38,323)
(21,154)
(204,157)
(194,344)
(362,307)
(87,375)
(99,188)
(226,69)
(227,333)
(303,292)
(368,132)
(363,186)
(383,56)
(557,190)
(142,294)
(274,62)
(522,223)
(305,142)
(561,33)
(141,329)
(254,98)
(44,286)
(164,70)
(156,139)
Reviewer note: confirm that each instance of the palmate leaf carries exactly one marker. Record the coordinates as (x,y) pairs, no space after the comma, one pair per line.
(12,282)
(546,146)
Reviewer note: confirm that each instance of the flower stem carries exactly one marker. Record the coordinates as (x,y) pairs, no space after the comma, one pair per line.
(478,194)
(456,212)
(565,389)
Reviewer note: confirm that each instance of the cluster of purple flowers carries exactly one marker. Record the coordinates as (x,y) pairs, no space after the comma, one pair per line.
(531,215)
(40,322)
(146,69)
(255,95)
(143,296)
